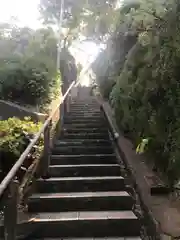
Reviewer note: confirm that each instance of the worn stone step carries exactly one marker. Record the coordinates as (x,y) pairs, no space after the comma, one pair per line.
(105,238)
(83,159)
(82,135)
(85,104)
(85,130)
(87,224)
(80,184)
(85,113)
(84,142)
(84,201)
(84,120)
(88,124)
(82,107)
(84,116)
(82,150)
(86,170)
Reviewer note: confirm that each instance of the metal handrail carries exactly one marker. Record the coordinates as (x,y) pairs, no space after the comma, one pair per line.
(12,173)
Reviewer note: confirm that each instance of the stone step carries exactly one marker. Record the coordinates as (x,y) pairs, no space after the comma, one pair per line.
(82,150)
(80,184)
(84,170)
(79,238)
(84,201)
(84,120)
(84,108)
(85,130)
(88,113)
(82,135)
(85,104)
(86,224)
(83,159)
(85,116)
(92,107)
(84,142)
(88,124)
(85,113)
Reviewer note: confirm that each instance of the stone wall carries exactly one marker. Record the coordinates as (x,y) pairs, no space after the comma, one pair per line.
(8,109)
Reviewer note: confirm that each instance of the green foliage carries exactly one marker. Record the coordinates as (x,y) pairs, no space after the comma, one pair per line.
(82,16)
(146,96)
(15,135)
(26,85)
(28,65)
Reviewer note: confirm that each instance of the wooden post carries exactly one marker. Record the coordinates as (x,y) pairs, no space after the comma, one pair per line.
(10,211)
(46,156)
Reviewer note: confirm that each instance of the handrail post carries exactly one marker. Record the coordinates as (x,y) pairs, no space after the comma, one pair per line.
(11,210)
(46,156)
(61,114)
(68,103)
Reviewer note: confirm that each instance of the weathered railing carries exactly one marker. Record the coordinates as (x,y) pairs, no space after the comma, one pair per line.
(10,186)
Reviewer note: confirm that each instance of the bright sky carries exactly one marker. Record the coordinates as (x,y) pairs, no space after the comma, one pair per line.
(25,10)
(27,14)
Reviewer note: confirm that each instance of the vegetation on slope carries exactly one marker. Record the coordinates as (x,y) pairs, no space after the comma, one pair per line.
(28,65)
(141,64)
(15,135)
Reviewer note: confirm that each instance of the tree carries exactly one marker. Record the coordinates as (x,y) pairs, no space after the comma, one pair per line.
(28,64)
(87,16)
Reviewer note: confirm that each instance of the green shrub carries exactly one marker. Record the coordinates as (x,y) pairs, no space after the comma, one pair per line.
(146,96)
(106,87)
(15,135)
(26,85)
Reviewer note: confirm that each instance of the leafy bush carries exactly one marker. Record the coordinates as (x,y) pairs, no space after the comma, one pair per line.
(28,65)
(146,96)
(106,87)
(27,85)
(15,135)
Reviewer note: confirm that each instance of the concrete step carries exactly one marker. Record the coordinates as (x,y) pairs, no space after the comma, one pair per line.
(88,124)
(82,150)
(86,224)
(86,170)
(80,184)
(83,142)
(85,104)
(79,238)
(84,201)
(83,159)
(82,120)
(85,115)
(82,135)
(85,130)
(85,109)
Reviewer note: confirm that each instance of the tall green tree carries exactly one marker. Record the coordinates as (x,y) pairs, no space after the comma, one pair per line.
(90,17)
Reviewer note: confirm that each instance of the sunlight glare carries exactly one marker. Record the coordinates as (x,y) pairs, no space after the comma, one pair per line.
(25,11)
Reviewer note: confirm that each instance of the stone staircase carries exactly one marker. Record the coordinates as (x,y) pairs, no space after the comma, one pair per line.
(85,196)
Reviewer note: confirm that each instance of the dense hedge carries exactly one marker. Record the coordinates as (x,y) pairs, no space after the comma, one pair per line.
(146,96)
(27,84)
